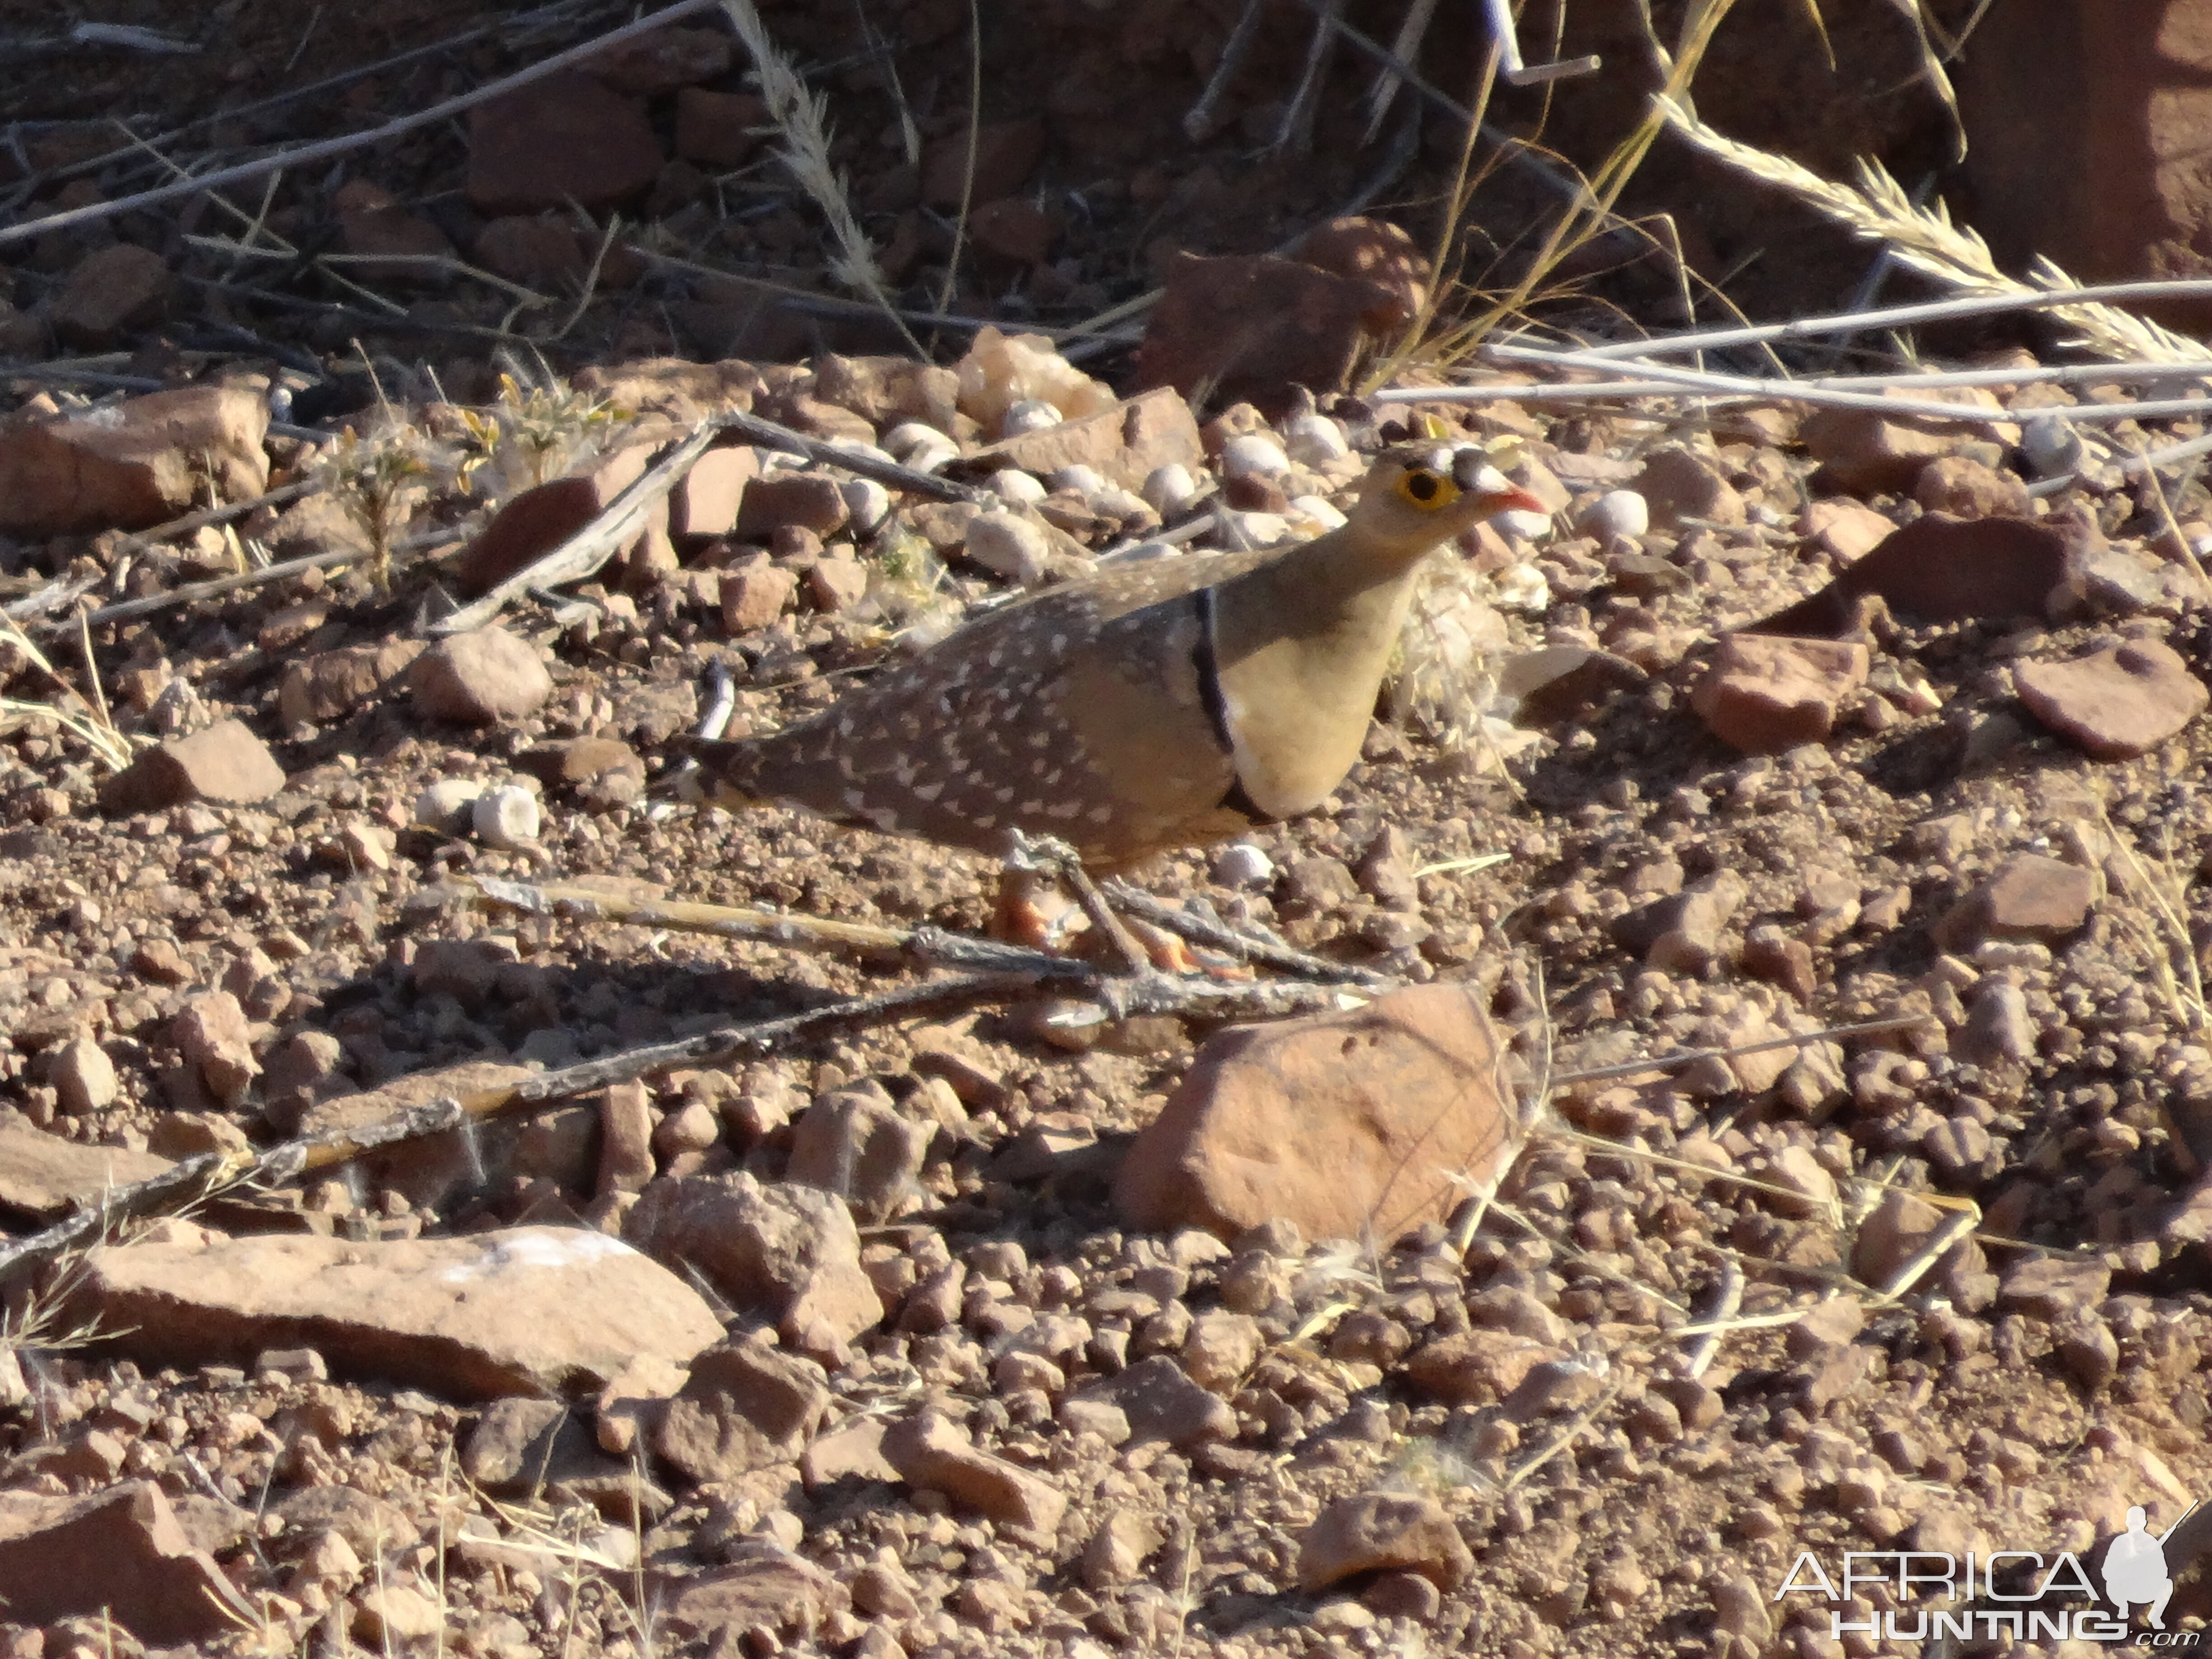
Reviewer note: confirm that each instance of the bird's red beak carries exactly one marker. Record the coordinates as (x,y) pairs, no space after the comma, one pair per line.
(1514,500)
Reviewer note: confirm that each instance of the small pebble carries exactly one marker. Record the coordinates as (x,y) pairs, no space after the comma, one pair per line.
(506,818)
(1012,484)
(444,805)
(1030,415)
(1252,529)
(1521,587)
(1169,490)
(867,504)
(1314,440)
(1008,546)
(2051,447)
(1321,512)
(1080,478)
(1617,512)
(1112,501)
(922,447)
(1253,455)
(1241,864)
(1523,527)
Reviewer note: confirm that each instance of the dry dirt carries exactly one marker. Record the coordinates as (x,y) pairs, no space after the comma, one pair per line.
(2034,1384)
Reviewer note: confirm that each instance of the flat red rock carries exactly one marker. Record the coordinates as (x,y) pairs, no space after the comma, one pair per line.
(2116,703)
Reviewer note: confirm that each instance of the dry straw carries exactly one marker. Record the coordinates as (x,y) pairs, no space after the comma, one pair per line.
(1924,239)
(801,116)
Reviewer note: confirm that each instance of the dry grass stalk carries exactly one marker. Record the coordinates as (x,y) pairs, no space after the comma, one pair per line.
(801,115)
(1926,240)
(1589,214)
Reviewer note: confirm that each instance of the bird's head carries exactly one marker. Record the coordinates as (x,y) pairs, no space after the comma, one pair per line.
(1417,496)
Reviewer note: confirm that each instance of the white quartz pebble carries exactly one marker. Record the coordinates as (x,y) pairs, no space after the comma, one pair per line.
(1168,489)
(1254,455)
(506,818)
(1241,864)
(1617,512)
(1030,415)
(1010,483)
(444,805)
(1314,440)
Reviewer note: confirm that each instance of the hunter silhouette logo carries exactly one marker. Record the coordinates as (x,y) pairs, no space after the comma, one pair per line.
(2025,1595)
(2134,1568)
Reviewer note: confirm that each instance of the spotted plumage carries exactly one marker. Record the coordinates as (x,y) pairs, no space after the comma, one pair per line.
(1163,704)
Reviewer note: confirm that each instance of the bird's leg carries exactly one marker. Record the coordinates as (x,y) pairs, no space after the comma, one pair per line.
(1044,854)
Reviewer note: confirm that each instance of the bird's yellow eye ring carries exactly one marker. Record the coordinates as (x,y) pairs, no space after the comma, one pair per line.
(1425,489)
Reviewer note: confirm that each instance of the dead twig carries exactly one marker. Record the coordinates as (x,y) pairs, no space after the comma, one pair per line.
(308,154)
(596,543)
(928,947)
(889,474)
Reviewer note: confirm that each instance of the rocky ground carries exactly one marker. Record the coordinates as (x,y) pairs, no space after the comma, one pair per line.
(987,1330)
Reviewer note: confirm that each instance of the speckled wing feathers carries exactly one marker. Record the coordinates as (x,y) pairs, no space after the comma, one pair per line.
(1079,712)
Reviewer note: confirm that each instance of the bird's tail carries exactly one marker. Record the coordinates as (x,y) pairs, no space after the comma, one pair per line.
(725,774)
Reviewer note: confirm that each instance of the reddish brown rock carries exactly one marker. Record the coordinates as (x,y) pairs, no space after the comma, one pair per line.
(716,1610)
(754,595)
(1347,1126)
(1158,1401)
(1475,1368)
(131,464)
(1846,531)
(538,252)
(1015,229)
(837,584)
(1679,483)
(1006,153)
(2086,141)
(860,1147)
(1966,489)
(1382,1532)
(1252,325)
(2050,1288)
(2028,896)
(708,499)
(931,1450)
(118,1552)
(809,500)
(1374,252)
(1763,694)
(563,138)
(885,391)
(1865,452)
(661,61)
(43,1175)
(521,1311)
(1125,443)
(533,522)
(789,1253)
(225,763)
(2116,703)
(333,684)
(1939,568)
(719,129)
(215,1039)
(479,679)
(111,292)
(390,245)
(747,1405)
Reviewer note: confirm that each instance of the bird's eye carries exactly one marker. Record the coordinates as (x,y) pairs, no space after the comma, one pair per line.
(1425,489)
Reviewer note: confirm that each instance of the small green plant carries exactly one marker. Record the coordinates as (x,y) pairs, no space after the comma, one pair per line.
(379,481)
(545,424)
